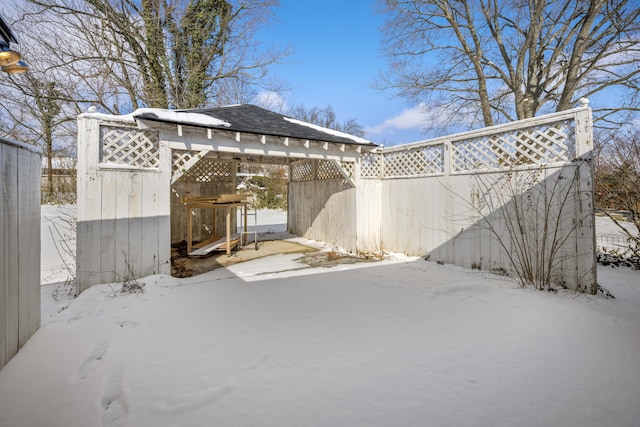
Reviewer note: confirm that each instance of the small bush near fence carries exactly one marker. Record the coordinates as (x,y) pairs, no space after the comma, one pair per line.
(623,249)
(270,191)
(618,252)
(61,189)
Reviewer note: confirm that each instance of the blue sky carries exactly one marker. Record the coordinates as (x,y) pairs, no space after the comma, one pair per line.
(336,57)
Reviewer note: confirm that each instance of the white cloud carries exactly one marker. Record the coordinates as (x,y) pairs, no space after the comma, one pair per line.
(271,101)
(412,118)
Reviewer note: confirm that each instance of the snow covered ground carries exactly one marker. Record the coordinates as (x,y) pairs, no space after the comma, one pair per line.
(57,234)
(271,342)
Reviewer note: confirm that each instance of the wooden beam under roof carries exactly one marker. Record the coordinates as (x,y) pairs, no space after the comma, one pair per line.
(198,138)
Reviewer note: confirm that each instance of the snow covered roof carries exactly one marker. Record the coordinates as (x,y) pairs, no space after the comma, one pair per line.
(249,118)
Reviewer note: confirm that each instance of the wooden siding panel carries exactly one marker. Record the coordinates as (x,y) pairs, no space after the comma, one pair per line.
(324,210)
(135,223)
(368,215)
(105,226)
(28,258)
(12,285)
(89,207)
(5,181)
(436,216)
(19,248)
(120,243)
(149,231)
(162,209)
(123,214)
(22,250)
(587,231)
(34,247)
(129,225)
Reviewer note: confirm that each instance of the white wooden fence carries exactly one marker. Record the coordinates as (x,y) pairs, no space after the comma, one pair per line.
(123,203)
(473,199)
(19,246)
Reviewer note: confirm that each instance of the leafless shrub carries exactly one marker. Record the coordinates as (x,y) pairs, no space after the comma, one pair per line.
(530,214)
(61,235)
(130,285)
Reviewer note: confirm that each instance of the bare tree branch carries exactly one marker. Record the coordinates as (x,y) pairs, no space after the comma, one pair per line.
(514,59)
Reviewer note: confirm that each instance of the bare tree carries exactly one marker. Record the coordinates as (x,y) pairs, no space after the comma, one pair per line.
(500,60)
(39,107)
(44,120)
(155,53)
(325,117)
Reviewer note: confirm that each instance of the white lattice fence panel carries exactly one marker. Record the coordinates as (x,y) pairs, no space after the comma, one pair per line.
(349,168)
(371,165)
(328,169)
(210,170)
(301,172)
(538,145)
(415,162)
(129,146)
(179,159)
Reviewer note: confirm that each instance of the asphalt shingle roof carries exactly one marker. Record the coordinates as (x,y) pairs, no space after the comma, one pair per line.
(249,118)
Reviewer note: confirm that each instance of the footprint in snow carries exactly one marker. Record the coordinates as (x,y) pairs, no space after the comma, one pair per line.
(127,324)
(93,360)
(113,402)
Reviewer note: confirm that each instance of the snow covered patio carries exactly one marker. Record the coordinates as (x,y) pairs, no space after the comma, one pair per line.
(398,342)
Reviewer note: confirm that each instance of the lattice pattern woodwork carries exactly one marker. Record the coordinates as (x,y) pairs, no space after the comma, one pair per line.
(204,171)
(328,169)
(371,165)
(538,145)
(324,169)
(179,159)
(301,172)
(414,162)
(349,168)
(129,146)
(207,171)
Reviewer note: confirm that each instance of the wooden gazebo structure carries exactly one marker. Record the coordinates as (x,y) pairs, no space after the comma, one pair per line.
(446,199)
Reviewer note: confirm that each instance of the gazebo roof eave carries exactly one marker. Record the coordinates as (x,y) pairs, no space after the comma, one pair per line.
(145,123)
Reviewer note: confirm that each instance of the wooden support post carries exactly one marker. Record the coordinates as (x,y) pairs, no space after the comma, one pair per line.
(215,222)
(228,231)
(190,230)
(245,217)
